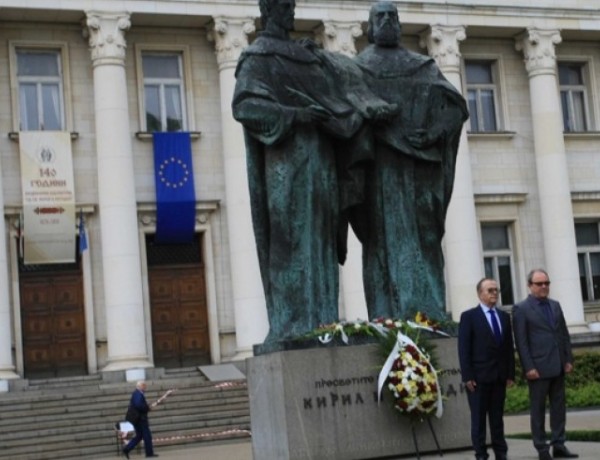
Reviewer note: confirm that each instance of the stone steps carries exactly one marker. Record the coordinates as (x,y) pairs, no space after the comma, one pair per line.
(167,421)
(75,417)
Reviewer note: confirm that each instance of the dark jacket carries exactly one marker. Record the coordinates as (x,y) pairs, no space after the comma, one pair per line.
(541,346)
(138,401)
(481,358)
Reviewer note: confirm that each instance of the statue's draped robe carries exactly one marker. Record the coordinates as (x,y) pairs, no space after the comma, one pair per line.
(293,180)
(401,222)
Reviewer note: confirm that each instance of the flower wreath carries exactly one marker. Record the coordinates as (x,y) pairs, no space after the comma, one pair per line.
(413,382)
(412,379)
(407,372)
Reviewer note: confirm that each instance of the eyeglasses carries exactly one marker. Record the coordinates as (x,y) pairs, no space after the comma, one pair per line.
(492,290)
(541,283)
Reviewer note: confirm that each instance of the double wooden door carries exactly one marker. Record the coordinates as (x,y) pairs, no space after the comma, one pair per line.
(53,324)
(179,316)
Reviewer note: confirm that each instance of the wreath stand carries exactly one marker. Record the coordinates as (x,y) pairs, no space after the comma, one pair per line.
(414,436)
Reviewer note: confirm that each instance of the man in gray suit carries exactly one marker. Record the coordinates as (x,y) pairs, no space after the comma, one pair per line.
(544,347)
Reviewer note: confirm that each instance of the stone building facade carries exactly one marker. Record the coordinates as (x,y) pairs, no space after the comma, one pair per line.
(527,190)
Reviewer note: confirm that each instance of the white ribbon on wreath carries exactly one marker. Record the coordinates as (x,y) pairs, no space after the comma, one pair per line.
(402,342)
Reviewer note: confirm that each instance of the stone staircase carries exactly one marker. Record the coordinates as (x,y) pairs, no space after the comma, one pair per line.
(75,417)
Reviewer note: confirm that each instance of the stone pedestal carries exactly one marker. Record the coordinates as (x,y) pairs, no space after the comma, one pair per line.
(321,403)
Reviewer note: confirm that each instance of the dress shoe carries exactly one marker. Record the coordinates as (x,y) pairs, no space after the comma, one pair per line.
(125,452)
(563,452)
(153,455)
(544,455)
(501,457)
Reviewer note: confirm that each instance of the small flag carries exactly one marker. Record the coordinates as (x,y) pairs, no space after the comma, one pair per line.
(83,245)
(21,236)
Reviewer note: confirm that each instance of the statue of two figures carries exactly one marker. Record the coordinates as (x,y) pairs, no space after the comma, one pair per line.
(332,141)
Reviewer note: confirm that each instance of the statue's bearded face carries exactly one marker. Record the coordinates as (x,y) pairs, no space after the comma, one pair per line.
(386,25)
(282,13)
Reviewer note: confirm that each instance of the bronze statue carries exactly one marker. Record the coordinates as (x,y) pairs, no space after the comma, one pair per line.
(408,188)
(296,115)
(328,139)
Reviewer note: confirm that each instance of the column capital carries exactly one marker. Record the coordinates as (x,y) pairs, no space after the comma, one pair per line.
(442,43)
(539,50)
(106,32)
(231,37)
(339,36)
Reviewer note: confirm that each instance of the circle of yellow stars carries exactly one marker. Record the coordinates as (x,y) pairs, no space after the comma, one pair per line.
(181,166)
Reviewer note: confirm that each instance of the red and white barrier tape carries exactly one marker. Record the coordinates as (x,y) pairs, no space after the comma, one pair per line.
(203,435)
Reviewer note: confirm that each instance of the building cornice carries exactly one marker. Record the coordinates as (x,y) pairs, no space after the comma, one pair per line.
(586,196)
(571,14)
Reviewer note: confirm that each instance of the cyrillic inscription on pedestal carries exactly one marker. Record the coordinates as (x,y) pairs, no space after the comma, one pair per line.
(322,404)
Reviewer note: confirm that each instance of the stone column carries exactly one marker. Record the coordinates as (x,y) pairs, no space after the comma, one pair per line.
(339,37)
(251,323)
(116,194)
(558,231)
(7,367)
(464,260)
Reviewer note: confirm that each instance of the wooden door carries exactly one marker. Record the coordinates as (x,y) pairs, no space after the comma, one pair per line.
(53,324)
(179,316)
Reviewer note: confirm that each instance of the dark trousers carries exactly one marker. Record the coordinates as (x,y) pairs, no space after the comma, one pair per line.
(487,402)
(539,391)
(142,431)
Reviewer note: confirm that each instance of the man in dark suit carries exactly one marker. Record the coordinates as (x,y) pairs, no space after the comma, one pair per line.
(487,364)
(544,347)
(142,428)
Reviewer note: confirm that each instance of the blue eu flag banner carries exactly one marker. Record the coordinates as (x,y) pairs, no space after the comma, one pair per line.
(175,196)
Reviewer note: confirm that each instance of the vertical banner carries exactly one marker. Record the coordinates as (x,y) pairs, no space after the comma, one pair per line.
(48,197)
(175,195)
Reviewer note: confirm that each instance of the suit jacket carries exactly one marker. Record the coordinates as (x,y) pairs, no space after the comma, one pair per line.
(541,346)
(138,400)
(481,358)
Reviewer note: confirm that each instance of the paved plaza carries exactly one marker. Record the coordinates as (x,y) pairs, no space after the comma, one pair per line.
(518,449)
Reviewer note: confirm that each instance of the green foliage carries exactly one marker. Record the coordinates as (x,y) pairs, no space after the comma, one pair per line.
(586,369)
(583,385)
(587,395)
(584,435)
(517,399)
(576,435)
